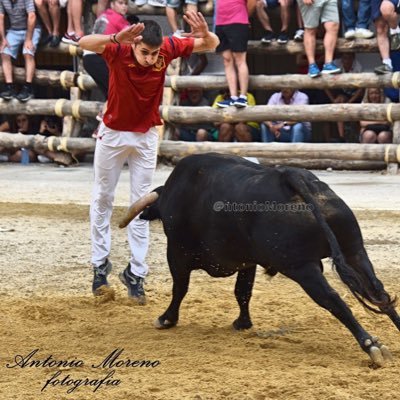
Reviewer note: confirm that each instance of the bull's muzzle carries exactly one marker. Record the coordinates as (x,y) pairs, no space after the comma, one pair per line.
(137,207)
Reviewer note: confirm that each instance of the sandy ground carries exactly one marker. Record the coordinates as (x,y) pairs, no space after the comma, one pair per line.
(294,351)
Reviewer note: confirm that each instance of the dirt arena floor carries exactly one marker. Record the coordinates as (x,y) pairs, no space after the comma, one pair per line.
(295,350)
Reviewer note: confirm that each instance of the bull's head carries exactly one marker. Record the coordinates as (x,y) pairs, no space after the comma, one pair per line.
(141,205)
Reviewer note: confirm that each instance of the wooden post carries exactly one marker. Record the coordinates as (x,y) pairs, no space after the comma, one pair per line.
(393,168)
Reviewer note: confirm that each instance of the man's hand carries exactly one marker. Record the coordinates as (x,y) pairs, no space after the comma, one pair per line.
(276,129)
(28,45)
(131,34)
(308,2)
(4,44)
(197,23)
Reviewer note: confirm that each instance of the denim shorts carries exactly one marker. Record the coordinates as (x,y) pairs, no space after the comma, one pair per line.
(16,39)
(177,3)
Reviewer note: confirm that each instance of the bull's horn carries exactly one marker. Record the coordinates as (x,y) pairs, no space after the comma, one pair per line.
(137,207)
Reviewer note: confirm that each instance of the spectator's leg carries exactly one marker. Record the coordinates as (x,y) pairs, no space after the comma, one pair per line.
(382,38)
(368,137)
(201,135)
(310,35)
(41,6)
(348,16)
(330,39)
(230,72)
(30,66)
(76,14)
(285,14)
(7,68)
(266,135)
(225,132)
(385,137)
(263,16)
(242,132)
(243,71)
(55,14)
(389,14)
(300,133)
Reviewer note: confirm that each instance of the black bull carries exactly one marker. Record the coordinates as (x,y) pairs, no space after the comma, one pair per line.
(224,214)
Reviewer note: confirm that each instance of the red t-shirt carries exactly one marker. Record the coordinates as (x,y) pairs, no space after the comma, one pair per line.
(135,92)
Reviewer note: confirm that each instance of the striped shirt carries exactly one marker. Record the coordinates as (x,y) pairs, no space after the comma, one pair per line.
(17,11)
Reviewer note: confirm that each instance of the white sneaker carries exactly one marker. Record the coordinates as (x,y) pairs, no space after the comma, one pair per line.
(3,158)
(178,33)
(43,159)
(299,35)
(363,33)
(350,34)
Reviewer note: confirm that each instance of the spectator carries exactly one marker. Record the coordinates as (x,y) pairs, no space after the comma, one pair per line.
(313,12)
(239,132)
(348,63)
(52,126)
(356,26)
(74,27)
(50,12)
(375,131)
(286,131)
(262,7)
(23,30)
(195,132)
(232,28)
(172,14)
(110,21)
(20,123)
(384,15)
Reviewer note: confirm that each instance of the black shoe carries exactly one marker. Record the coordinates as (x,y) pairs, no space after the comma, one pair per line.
(9,92)
(268,37)
(283,38)
(134,284)
(100,276)
(55,41)
(25,94)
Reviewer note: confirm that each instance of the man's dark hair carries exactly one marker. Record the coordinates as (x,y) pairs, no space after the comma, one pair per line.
(152,34)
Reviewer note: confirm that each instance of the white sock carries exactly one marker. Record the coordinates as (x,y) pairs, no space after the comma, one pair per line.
(394,31)
(388,62)
(234,97)
(243,96)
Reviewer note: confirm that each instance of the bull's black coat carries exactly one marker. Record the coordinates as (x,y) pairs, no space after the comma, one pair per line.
(289,242)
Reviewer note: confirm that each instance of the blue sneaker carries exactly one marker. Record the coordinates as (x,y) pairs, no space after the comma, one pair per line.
(240,102)
(225,103)
(331,68)
(313,71)
(100,276)
(134,284)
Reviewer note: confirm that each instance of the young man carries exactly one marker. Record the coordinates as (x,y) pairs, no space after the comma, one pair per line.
(23,30)
(137,59)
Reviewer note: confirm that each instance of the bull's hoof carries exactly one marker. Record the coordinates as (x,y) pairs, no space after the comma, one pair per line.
(161,323)
(239,325)
(379,353)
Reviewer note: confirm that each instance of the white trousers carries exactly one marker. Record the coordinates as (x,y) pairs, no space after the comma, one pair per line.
(113,148)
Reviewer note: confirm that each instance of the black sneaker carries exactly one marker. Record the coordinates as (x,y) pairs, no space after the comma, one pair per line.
(9,92)
(25,94)
(283,38)
(55,41)
(268,37)
(100,276)
(134,284)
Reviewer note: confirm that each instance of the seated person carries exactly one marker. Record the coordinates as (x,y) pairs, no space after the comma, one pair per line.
(194,97)
(375,131)
(286,131)
(240,131)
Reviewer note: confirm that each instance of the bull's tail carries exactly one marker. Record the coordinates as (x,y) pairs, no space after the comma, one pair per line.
(358,283)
